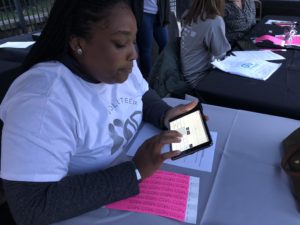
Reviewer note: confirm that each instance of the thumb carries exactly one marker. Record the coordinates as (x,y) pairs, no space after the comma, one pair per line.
(170,154)
(187,107)
(191,105)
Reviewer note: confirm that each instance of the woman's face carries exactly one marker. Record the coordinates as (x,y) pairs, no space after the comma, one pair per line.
(108,55)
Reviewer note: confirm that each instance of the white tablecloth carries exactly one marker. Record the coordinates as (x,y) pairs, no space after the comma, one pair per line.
(247,185)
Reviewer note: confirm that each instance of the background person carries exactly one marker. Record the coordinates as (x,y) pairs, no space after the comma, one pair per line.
(240,17)
(72,112)
(152,19)
(202,39)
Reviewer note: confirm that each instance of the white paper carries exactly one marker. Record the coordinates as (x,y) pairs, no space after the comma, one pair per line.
(201,160)
(279,22)
(262,55)
(192,202)
(17,44)
(252,68)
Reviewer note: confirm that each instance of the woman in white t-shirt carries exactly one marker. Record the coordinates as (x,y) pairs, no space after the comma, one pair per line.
(72,112)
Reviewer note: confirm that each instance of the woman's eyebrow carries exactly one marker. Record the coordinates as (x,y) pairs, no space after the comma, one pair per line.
(122,32)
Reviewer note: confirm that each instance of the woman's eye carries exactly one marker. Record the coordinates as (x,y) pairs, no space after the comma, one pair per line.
(118,45)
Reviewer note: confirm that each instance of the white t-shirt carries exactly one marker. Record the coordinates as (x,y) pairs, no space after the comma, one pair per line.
(150,6)
(56,123)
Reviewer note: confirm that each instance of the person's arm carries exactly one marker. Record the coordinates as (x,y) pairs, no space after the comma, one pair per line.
(154,108)
(217,40)
(39,203)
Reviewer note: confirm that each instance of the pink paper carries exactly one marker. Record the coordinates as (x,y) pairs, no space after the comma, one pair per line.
(295,40)
(164,194)
(275,40)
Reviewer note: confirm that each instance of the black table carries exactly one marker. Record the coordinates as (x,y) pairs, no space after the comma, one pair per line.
(280,7)
(7,65)
(261,28)
(279,95)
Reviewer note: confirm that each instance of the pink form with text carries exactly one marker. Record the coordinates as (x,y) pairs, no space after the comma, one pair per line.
(164,194)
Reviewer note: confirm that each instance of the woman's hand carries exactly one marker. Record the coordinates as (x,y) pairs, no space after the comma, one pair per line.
(149,158)
(178,110)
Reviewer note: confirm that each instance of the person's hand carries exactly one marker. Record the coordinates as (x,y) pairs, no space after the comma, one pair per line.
(149,158)
(178,110)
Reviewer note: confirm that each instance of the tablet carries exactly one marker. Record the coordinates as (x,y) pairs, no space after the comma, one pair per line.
(195,133)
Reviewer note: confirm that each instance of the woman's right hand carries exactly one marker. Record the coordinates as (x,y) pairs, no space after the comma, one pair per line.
(149,158)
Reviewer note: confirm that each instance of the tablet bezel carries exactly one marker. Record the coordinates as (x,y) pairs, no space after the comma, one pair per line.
(198,147)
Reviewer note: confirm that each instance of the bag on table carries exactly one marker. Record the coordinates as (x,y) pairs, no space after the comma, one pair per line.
(291,160)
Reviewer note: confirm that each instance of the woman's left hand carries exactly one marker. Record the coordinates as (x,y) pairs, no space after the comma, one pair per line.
(178,110)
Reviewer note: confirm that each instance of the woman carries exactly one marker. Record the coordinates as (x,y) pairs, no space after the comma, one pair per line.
(152,18)
(202,39)
(72,112)
(240,17)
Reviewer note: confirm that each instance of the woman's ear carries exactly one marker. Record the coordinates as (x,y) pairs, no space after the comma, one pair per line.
(76,44)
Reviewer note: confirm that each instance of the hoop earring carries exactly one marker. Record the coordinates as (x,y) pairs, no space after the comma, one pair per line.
(79,51)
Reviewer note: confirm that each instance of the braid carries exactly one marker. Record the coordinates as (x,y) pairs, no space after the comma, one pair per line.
(67,17)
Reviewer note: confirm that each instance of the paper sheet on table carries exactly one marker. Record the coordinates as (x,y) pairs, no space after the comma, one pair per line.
(166,194)
(17,44)
(252,68)
(262,55)
(281,22)
(201,160)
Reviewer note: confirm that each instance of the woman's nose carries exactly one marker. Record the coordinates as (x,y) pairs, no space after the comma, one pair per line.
(133,55)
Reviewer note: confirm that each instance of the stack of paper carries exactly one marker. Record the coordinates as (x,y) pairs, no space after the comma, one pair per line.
(247,67)
(165,194)
(262,55)
(282,23)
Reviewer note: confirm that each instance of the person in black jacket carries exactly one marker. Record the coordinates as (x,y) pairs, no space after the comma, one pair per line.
(152,18)
(72,112)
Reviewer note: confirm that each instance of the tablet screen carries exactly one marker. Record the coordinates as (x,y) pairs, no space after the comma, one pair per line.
(193,129)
